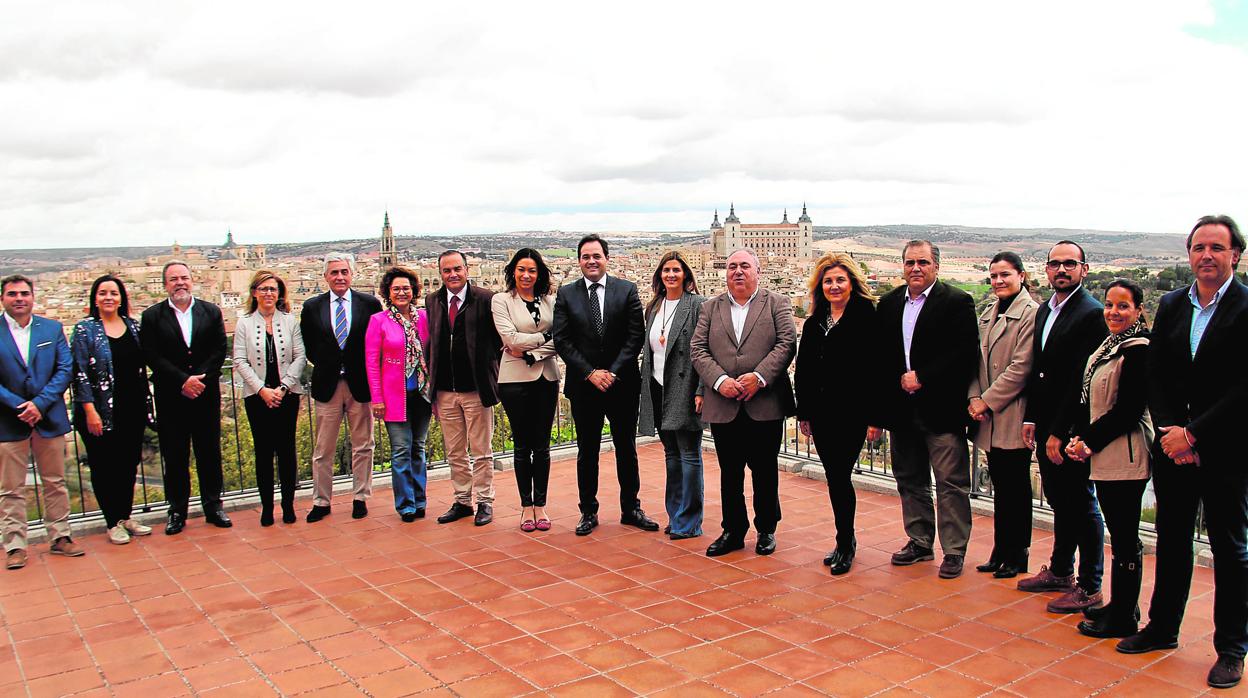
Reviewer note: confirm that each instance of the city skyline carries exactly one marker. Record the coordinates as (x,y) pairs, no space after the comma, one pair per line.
(137,123)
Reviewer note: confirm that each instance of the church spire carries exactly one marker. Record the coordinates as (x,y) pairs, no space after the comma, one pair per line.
(732,214)
(805,218)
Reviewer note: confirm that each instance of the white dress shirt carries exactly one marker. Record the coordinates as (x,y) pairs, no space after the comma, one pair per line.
(909,318)
(184,319)
(21,336)
(602,293)
(1055,309)
(740,311)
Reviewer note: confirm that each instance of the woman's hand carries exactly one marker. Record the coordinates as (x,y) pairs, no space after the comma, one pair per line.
(697,404)
(95,425)
(1078,450)
(271,397)
(379,410)
(803,426)
(875,434)
(978,409)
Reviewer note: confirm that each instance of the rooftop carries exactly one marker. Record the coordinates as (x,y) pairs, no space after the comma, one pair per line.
(383,608)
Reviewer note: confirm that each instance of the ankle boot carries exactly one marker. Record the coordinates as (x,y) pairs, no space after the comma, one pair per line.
(1013,566)
(1121,616)
(288,511)
(266,514)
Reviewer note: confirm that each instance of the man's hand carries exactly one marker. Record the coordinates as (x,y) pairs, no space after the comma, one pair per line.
(194,386)
(601,379)
(730,389)
(379,410)
(874,434)
(28,413)
(1053,449)
(978,409)
(1174,443)
(750,385)
(1029,435)
(803,426)
(910,382)
(697,404)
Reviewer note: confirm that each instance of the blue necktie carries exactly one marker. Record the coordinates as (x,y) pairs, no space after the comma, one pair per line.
(340,324)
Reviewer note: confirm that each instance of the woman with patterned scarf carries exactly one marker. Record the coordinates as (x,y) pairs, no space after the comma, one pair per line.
(398,379)
(1112,428)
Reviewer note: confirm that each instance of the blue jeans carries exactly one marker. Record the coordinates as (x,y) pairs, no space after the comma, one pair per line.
(407,455)
(682,451)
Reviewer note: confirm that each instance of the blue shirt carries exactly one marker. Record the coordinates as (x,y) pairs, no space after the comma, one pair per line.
(1202,316)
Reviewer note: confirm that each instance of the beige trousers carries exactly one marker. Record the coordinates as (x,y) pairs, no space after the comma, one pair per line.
(50,460)
(467,425)
(360,431)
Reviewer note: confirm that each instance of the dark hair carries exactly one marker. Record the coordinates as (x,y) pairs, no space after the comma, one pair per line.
(1237,239)
(543,285)
(261,276)
(919,243)
(387,280)
(164,271)
(1009,258)
(1137,293)
(123,309)
(16,279)
(448,253)
(592,237)
(1082,257)
(656,284)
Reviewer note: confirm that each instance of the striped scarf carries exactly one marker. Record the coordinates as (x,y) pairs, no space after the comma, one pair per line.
(1099,356)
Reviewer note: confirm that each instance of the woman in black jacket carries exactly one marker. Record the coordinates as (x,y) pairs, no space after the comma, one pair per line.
(833,386)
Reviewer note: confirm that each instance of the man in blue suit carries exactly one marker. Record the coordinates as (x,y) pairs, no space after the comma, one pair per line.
(35,368)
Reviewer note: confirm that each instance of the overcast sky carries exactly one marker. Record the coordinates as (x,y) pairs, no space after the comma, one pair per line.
(144,122)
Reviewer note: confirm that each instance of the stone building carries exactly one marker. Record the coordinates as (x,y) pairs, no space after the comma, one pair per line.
(783,239)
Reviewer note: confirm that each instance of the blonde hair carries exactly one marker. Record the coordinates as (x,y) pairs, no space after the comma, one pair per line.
(831,260)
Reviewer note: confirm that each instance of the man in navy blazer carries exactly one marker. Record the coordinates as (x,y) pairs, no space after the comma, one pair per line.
(599,339)
(1197,392)
(333,326)
(183,341)
(35,369)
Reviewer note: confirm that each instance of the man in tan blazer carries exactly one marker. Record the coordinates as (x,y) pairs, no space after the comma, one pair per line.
(742,347)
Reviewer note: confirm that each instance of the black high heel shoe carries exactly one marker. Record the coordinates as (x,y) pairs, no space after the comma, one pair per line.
(842,559)
(1009,570)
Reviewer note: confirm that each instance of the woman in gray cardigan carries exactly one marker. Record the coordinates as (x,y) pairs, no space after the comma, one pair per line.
(671,392)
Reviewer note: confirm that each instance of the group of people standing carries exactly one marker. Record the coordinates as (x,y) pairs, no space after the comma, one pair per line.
(1104,403)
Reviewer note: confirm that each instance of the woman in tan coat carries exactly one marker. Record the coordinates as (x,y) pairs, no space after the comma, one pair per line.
(1112,428)
(996,403)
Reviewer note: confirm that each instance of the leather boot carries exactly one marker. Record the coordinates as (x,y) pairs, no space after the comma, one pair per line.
(1122,614)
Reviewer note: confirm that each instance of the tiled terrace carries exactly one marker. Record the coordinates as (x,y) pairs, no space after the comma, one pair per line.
(384,608)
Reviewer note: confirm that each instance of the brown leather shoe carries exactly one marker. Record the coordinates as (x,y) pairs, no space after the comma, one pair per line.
(951,567)
(15,559)
(1075,601)
(67,547)
(1227,672)
(1045,580)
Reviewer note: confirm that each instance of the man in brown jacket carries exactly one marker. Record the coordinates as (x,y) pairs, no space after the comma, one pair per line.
(741,348)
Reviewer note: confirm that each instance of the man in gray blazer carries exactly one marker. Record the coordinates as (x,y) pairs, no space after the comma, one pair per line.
(742,347)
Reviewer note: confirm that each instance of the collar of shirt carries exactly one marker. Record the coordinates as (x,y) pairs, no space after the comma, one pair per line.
(589,283)
(14,327)
(182,313)
(333,297)
(922,295)
(747,302)
(462,295)
(1057,307)
(1191,294)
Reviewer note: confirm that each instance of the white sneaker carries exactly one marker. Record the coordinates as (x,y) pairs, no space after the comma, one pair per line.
(135,528)
(118,535)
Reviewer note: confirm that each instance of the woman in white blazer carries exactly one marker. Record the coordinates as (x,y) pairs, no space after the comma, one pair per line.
(268,361)
(528,379)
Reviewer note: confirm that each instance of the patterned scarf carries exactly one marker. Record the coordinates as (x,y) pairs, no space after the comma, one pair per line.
(414,361)
(1099,356)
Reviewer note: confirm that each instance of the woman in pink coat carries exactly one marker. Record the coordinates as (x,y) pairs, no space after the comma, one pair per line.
(398,378)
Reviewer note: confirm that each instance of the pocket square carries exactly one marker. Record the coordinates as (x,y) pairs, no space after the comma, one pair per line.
(43,344)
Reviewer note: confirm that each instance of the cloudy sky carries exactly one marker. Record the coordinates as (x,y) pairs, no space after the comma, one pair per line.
(143,122)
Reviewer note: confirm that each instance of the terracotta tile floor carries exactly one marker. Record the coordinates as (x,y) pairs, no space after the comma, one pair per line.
(385,608)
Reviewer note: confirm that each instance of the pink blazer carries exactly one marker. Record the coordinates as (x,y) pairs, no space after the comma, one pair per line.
(385,348)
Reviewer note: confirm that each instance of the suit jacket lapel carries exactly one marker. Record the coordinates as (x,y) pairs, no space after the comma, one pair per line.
(725,316)
(171,321)
(751,316)
(10,343)
(679,315)
(928,314)
(1226,305)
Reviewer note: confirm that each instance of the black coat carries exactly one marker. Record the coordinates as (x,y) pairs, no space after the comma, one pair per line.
(1057,370)
(485,348)
(171,361)
(835,374)
(328,361)
(944,354)
(1207,394)
(582,350)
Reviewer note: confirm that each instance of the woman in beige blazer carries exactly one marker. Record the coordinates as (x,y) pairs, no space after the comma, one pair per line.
(528,379)
(1112,428)
(268,361)
(996,404)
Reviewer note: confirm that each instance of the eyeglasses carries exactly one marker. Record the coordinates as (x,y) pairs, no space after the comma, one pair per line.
(267,289)
(1067,264)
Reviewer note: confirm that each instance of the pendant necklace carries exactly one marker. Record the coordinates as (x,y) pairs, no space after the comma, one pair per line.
(664,323)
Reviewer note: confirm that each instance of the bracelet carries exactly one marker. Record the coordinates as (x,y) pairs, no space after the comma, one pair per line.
(1188,438)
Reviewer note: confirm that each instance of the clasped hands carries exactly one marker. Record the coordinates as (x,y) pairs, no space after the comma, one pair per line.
(910,382)
(978,409)
(194,386)
(28,413)
(742,388)
(1179,445)
(602,379)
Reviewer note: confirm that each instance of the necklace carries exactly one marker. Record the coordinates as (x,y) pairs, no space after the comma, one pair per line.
(666,322)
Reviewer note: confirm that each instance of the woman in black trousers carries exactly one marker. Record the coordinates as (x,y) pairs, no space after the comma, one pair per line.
(1113,429)
(111,403)
(833,386)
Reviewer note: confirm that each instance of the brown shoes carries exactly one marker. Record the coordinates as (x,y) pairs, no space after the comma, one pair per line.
(15,559)
(1075,601)
(67,547)
(1045,580)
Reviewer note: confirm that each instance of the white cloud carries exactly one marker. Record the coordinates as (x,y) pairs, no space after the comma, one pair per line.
(141,122)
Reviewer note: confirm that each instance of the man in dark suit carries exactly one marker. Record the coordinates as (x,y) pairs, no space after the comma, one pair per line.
(1197,393)
(333,326)
(183,340)
(35,369)
(929,357)
(598,330)
(742,347)
(464,349)
(1069,327)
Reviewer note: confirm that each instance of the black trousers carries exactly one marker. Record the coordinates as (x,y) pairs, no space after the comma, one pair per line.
(1010,470)
(740,443)
(530,408)
(1121,501)
(618,406)
(273,433)
(114,458)
(839,444)
(1077,521)
(1220,482)
(183,422)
